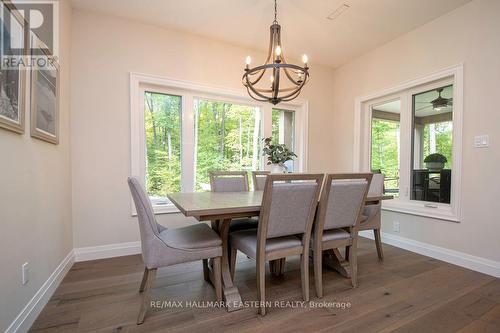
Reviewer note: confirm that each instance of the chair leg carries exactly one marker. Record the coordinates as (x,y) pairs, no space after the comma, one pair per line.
(318,272)
(304,275)
(146,295)
(347,252)
(218,278)
(144,279)
(378,243)
(353,263)
(232,261)
(261,285)
(206,271)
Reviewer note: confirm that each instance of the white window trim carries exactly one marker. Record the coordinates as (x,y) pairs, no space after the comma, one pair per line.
(190,91)
(449,212)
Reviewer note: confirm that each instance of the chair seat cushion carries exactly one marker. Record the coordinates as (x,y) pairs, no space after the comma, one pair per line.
(333,234)
(246,242)
(196,236)
(243,224)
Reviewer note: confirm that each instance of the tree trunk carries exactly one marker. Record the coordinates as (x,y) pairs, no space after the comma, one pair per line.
(150,103)
(241,143)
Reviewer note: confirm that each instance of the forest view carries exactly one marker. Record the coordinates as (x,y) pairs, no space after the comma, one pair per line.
(227,137)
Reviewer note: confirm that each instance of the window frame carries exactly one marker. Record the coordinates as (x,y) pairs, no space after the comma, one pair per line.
(189,92)
(405,91)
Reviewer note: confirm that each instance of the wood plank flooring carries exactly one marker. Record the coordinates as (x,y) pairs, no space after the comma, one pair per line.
(406,293)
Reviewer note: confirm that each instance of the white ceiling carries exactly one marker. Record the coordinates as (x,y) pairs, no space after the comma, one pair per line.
(364,26)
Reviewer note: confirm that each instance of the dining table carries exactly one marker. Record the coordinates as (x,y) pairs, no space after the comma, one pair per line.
(221,208)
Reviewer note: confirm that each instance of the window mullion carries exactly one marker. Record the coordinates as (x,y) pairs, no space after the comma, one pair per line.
(188,144)
(405,147)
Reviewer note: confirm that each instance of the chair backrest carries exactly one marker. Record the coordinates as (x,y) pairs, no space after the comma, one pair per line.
(145,214)
(377,184)
(259,179)
(342,200)
(288,205)
(228,181)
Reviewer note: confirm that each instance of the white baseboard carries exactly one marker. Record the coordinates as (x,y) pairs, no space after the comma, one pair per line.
(474,263)
(28,315)
(107,251)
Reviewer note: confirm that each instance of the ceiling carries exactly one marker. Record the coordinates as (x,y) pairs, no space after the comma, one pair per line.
(365,25)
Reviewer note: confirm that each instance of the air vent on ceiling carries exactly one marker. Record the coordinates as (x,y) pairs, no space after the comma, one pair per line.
(339,11)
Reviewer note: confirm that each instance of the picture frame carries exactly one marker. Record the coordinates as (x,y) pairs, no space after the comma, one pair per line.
(44,98)
(12,81)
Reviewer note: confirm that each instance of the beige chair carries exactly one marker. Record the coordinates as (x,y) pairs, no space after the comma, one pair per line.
(259,179)
(288,206)
(372,213)
(165,247)
(231,181)
(337,221)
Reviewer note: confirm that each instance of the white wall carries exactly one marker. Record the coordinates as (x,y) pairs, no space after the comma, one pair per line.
(469,34)
(104,51)
(35,200)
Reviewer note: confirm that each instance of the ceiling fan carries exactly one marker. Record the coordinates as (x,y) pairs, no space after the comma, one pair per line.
(438,103)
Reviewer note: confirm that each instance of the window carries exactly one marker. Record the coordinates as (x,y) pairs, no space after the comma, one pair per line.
(412,134)
(181,131)
(385,146)
(284,131)
(162,122)
(227,137)
(432,145)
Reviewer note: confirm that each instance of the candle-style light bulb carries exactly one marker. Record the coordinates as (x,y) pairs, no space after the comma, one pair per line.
(305,59)
(278,51)
(271,78)
(248,60)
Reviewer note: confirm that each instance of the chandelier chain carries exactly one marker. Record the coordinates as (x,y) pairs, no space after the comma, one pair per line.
(275,12)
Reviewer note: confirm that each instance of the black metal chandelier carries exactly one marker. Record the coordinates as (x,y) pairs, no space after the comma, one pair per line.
(278,71)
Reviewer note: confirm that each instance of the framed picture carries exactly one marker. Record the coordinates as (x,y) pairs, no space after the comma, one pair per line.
(12,80)
(45,99)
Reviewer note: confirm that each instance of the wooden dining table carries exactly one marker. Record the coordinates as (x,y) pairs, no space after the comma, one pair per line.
(226,206)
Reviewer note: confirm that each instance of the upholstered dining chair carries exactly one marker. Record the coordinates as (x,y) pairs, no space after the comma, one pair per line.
(337,221)
(165,247)
(372,213)
(231,181)
(259,179)
(288,206)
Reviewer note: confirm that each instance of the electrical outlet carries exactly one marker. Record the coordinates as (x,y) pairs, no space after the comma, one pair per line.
(395,226)
(25,273)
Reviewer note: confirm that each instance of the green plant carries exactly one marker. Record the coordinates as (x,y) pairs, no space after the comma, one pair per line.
(436,158)
(277,153)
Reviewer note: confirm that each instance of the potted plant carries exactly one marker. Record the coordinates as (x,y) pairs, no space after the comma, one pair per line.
(435,161)
(277,155)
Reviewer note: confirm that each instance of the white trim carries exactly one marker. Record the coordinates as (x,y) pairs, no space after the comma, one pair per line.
(107,251)
(190,91)
(451,212)
(458,258)
(28,315)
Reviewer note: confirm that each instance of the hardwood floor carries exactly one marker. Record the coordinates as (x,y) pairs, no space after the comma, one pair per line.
(406,293)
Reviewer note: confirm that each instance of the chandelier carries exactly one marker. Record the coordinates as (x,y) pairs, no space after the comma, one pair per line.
(283,82)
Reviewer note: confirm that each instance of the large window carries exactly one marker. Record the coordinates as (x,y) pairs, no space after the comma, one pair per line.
(182,131)
(413,137)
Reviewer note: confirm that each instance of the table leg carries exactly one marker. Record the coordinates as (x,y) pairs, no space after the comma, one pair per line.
(333,259)
(231,294)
